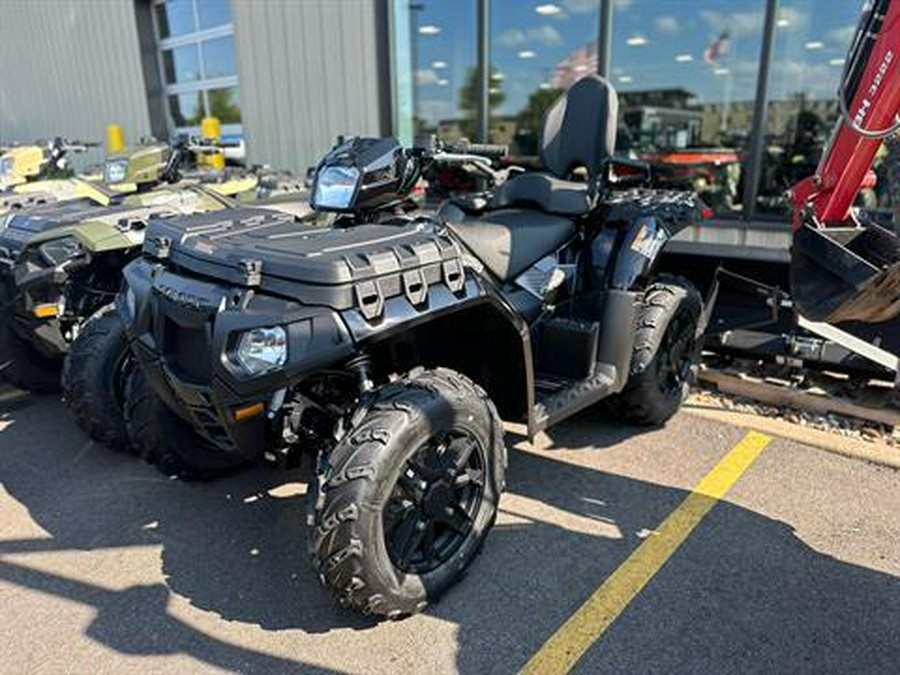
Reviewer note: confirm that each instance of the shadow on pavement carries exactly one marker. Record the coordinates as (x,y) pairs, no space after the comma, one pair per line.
(743,594)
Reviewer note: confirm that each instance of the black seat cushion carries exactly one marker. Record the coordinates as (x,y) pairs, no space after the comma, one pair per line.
(507,241)
(547,192)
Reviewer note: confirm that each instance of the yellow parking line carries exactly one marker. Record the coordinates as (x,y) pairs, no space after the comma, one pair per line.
(568,644)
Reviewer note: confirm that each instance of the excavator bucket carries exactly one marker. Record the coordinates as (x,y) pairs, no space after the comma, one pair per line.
(846,273)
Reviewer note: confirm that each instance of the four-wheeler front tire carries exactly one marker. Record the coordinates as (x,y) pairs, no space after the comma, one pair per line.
(410,494)
(22,365)
(168,442)
(665,355)
(93,378)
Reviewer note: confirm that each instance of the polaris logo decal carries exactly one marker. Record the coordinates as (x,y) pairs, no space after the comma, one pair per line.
(181,298)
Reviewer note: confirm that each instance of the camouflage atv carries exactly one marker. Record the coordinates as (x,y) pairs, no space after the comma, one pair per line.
(61,263)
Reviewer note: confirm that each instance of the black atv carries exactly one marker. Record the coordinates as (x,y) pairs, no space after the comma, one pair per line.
(391,346)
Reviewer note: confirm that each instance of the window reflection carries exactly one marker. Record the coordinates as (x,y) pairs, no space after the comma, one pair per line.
(225,104)
(811,42)
(197,51)
(443,55)
(537,50)
(212,13)
(686,74)
(174,18)
(218,57)
(182,64)
(187,109)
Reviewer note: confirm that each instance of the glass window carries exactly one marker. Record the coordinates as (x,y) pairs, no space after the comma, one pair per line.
(198,62)
(225,104)
(537,50)
(686,74)
(187,109)
(182,64)
(811,43)
(175,17)
(443,64)
(218,57)
(213,13)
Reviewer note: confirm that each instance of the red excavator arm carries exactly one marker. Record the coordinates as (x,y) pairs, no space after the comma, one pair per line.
(840,269)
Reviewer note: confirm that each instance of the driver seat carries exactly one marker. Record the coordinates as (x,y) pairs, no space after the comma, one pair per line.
(532,214)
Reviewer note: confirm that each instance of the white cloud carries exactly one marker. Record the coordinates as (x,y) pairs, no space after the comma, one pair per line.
(545,35)
(841,37)
(738,24)
(581,6)
(434,110)
(512,38)
(515,37)
(667,24)
(790,77)
(792,19)
(426,76)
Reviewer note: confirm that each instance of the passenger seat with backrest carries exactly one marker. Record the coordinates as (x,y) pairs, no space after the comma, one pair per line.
(532,214)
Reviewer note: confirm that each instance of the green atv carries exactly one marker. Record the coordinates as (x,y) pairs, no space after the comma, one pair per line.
(61,263)
(38,173)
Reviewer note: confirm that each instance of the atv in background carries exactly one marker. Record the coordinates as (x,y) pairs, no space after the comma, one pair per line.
(20,164)
(61,263)
(37,173)
(391,345)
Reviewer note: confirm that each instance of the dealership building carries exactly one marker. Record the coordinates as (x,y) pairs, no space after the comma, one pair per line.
(734,98)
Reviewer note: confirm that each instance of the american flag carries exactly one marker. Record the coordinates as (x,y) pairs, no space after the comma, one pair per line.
(717,48)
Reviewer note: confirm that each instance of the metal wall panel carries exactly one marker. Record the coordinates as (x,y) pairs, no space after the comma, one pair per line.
(69,67)
(309,70)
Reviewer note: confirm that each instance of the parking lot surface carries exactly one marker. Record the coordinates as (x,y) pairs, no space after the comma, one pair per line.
(108,567)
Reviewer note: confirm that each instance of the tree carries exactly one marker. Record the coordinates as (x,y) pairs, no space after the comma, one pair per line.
(469,95)
(222,105)
(532,115)
(530,120)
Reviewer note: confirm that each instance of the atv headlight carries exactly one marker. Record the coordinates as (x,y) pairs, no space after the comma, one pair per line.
(115,171)
(262,349)
(335,187)
(58,251)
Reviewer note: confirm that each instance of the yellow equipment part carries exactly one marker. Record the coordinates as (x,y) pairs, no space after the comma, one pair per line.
(64,189)
(211,130)
(115,138)
(235,186)
(22,163)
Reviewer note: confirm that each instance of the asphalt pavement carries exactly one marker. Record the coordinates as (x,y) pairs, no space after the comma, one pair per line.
(108,567)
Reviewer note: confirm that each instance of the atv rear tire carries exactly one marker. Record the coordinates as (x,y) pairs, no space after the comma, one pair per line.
(168,442)
(665,354)
(21,365)
(411,494)
(93,378)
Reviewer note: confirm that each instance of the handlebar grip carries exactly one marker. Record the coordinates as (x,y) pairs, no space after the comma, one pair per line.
(488,150)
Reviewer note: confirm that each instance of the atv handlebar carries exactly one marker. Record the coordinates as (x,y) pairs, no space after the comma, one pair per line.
(488,150)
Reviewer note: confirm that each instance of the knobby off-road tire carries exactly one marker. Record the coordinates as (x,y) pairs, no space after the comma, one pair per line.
(20,363)
(665,354)
(367,544)
(93,378)
(168,442)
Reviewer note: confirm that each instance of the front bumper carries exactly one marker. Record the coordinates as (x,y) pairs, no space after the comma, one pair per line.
(30,288)
(184,331)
